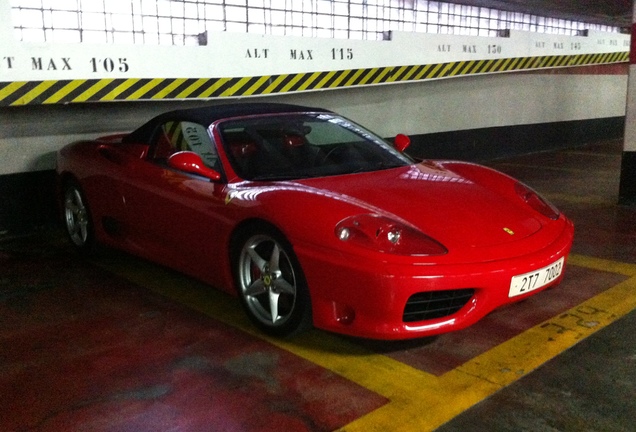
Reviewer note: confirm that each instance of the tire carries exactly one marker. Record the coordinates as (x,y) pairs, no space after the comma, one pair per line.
(77,218)
(271,284)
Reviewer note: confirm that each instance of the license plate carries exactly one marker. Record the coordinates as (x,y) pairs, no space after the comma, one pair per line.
(527,282)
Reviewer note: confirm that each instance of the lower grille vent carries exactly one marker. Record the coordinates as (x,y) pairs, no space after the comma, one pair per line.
(435,304)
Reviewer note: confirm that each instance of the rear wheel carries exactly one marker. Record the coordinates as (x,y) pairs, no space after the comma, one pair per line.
(271,284)
(77,218)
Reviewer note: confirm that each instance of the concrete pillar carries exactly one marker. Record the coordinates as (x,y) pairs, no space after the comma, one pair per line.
(627,189)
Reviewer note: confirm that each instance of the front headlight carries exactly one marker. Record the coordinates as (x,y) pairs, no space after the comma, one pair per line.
(386,235)
(534,200)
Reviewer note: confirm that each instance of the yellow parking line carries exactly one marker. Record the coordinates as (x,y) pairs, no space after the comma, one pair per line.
(418,401)
(433,401)
(602,265)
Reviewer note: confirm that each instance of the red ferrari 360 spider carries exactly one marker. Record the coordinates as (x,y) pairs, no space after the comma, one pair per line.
(313,220)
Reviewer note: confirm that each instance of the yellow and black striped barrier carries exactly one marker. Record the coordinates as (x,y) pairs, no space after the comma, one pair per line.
(129,89)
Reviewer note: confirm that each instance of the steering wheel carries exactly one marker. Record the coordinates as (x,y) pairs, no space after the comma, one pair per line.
(322,158)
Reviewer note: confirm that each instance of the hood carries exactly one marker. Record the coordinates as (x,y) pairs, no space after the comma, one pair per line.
(442,204)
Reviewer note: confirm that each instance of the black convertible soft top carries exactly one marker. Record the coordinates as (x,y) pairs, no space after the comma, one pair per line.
(210,114)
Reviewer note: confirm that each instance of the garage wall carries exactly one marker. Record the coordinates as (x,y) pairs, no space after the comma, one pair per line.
(30,135)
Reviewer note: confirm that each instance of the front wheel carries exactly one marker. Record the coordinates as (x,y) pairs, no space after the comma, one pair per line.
(271,284)
(77,218)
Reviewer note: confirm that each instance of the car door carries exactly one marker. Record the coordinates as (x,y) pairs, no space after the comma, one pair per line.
(174,217)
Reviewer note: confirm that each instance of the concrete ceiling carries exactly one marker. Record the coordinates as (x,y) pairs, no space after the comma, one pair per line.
(608,12)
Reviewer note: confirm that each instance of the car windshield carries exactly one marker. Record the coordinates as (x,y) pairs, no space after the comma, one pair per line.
(293,146)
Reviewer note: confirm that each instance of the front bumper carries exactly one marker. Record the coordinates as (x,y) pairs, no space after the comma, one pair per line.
(368,299)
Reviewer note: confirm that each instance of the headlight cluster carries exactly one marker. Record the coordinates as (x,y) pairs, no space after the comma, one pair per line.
(383,234)
(535,201)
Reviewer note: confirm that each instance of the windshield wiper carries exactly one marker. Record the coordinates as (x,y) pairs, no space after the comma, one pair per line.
(378,166)
(275,177)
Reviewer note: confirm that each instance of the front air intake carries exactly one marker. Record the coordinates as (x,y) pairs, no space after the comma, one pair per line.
(435,304)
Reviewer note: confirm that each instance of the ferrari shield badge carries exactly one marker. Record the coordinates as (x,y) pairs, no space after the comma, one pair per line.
(228,198)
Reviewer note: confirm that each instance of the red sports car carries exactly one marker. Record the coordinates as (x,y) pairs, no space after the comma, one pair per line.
(313,220)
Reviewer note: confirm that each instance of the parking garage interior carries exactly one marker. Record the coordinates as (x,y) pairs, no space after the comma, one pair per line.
(112,342)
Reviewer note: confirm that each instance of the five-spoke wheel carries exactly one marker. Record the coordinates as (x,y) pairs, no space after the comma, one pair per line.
(77,217)
(271,284)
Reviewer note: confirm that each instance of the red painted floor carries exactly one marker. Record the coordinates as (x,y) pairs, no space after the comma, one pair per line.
(81,349)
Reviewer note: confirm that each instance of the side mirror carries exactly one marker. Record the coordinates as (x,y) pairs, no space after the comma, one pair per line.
(191,162)
(401,142)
